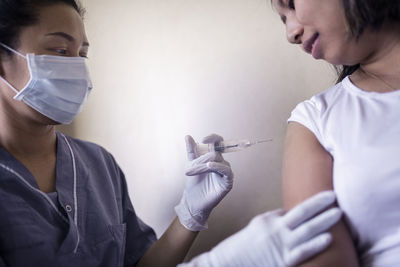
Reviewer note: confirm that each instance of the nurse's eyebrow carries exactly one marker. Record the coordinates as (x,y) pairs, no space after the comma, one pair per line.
(65,36)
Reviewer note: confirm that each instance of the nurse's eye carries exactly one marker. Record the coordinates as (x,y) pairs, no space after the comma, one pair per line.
(291,4)
(62,52)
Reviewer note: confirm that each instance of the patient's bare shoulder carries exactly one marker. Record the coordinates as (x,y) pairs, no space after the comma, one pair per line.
(306,170)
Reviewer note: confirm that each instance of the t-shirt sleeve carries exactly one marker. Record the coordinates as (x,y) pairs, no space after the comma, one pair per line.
(139,236)
(308,113)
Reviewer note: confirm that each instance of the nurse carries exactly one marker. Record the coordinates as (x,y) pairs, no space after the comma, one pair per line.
(64,202)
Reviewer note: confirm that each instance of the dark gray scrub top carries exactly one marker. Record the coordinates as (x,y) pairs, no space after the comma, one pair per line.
(90,222)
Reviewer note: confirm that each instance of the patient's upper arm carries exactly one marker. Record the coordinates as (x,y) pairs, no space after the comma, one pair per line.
(307,170)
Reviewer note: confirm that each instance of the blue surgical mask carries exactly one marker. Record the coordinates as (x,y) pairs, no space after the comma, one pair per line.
(58,86)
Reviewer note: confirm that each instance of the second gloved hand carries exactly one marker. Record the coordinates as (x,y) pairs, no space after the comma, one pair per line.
(275,239)
(211,179)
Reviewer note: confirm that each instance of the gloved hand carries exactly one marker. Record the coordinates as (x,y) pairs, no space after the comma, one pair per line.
(276,240)
(211,180)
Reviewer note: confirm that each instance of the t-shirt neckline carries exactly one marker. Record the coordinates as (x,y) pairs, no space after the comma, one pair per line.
(350,86)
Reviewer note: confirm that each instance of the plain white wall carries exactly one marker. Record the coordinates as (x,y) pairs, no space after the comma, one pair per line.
(166,68)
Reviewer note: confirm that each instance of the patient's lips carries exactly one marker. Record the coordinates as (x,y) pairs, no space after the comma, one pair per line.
(311,46)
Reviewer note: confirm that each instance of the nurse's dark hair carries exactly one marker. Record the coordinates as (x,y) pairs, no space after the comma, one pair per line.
(367,14)
(17,14)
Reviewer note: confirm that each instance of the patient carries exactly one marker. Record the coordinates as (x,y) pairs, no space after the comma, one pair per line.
(348,137)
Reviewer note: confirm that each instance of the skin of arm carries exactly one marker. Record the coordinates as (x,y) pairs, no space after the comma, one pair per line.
(307,169)
(170,249)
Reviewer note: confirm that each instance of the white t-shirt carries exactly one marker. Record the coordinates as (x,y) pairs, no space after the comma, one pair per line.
(361,130)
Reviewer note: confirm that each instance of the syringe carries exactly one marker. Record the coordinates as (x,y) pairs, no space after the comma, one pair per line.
(227,146)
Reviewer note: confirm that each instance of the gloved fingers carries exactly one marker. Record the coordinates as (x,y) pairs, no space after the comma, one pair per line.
(210,156)
(212,139)
(215,167)
(197,169)
(308,209)
(314,227)
(308,249)
(220,168)
(267,217)
(190,147)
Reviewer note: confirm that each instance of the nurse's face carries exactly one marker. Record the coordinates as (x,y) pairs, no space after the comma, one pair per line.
(60,32)
(321,29)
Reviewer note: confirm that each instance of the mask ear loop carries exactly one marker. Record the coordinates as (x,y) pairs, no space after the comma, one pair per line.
(1,77)
(12,50)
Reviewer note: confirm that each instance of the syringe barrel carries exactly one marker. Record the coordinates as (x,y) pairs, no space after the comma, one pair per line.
(225,146)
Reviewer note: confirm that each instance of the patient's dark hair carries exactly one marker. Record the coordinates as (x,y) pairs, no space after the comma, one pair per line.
(367,14)
(371,14)
(17,14)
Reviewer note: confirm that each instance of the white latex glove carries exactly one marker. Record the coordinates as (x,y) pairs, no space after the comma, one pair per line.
(211,180)
(276,240)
